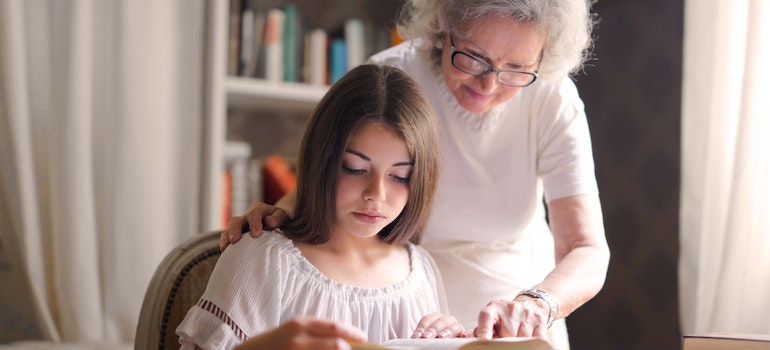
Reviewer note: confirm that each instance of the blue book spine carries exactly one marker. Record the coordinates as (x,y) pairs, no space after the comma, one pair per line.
(338,60)
(290,42)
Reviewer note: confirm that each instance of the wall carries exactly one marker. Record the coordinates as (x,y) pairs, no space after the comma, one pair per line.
(632,96)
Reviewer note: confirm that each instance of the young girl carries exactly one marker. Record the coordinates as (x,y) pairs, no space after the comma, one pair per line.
(346,267)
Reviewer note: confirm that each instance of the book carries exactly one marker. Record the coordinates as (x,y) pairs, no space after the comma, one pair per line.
(237,154)
(726,341)
(227,186)
(274,45)
(520,343)
(255,185)
(338,59)
(278,178)
(252,29)
(355,40)
(316,61)
(234,37)
(395,37)
(290,37)
(247,40)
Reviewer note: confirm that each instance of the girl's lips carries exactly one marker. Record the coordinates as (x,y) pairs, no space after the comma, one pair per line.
(369,218)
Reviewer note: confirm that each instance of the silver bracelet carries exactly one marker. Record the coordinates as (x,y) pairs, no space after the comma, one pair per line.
(540,294)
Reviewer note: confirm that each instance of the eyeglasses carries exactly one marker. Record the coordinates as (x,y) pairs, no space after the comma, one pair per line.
(477,67)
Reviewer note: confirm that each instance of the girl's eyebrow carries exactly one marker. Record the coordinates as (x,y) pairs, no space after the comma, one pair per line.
(359,154)
(366,158)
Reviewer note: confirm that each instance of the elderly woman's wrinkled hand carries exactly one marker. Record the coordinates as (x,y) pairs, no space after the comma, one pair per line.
(522,317)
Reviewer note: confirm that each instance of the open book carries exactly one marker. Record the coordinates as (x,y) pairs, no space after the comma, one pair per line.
(522,343)
(726,341)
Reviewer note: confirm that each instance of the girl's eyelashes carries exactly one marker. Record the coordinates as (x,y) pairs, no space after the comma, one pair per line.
(396,178)
(352,171)
(399,179)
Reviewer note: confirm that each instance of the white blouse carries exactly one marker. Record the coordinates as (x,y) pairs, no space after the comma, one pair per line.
(260,283)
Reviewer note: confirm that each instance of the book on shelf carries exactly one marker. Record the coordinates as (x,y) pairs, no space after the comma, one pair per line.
(236,196)
(247,41)
(227,190)
(338,60)
(290,31)
(521,343)
(726,341)
(255,184)
(355,40)
(316,61)
(252,34)
(234,37)
(395,37)
(278,178)
(279,43)
(274,45)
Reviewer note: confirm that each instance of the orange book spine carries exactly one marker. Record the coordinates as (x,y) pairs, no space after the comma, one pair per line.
(227,193)
(278,177)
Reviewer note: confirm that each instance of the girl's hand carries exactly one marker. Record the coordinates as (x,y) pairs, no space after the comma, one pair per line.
(306,333)
(438,325)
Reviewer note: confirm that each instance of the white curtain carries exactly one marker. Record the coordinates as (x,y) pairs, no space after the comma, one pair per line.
(100,117)
(725,199)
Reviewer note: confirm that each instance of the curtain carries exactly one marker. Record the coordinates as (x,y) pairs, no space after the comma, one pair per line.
(725,211)
(100,118)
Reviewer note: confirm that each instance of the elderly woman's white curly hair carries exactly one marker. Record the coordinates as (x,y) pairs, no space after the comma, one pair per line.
(567,23)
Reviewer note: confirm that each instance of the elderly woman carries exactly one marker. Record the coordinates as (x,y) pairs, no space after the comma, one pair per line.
(516,228)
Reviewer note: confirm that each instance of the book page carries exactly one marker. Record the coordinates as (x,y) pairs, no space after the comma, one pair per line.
(459,344)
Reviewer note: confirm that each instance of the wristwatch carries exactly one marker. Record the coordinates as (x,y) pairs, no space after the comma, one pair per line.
(537,293)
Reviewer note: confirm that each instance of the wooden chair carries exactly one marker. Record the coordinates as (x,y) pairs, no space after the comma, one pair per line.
(176,286)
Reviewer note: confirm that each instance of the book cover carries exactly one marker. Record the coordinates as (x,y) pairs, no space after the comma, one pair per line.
(278,178)
(234,37)
(237,154)
(726,341)
(395,38)
(254,178)
(274,45)
(290,34)
(356,47)
(227,190)
(252,55)
(338,58)
(247,40)
(316,63)
(520,343)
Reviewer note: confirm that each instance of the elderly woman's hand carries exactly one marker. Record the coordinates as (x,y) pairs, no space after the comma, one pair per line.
(521,317)
(258,216)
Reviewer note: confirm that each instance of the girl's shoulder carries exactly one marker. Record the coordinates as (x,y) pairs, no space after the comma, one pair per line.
(270,245)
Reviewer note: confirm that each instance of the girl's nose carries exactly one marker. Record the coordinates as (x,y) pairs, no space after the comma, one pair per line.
(375,191)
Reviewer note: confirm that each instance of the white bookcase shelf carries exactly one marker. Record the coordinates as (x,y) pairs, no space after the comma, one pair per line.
(249,93)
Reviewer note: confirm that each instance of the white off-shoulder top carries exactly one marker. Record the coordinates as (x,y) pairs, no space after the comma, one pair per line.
(260,283)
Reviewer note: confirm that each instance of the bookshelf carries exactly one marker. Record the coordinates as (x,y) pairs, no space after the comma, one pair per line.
(227,95)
